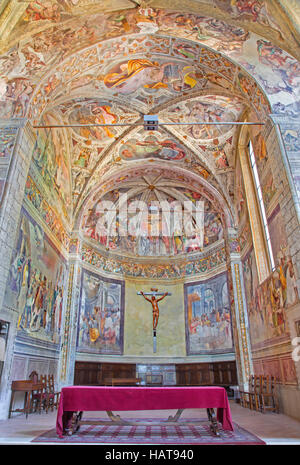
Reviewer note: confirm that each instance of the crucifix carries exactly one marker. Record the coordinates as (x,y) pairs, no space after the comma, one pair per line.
(155,310)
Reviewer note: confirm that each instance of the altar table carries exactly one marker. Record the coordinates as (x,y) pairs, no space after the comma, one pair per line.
(75,400)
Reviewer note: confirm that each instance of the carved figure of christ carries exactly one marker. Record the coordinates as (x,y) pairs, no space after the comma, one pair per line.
(155,309)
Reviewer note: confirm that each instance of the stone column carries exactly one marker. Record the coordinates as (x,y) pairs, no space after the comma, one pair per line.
(16,143)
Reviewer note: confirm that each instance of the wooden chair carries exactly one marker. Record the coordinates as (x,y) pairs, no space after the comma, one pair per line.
(268,395)
(255,395)
(34,377)
(44,401)
(246,396)
(53,394)
(39,396)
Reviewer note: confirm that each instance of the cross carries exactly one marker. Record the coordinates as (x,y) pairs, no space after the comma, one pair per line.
(155,310)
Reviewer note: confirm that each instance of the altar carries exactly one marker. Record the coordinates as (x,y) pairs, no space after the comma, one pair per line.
(75,400)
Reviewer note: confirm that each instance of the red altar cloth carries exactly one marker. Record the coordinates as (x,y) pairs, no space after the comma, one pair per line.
(102,398)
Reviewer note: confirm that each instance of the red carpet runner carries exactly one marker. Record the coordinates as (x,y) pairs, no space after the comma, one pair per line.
(163,434)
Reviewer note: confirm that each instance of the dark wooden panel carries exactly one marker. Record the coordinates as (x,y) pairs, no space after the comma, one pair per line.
(187,374)
(86,373)
(91,373)
(215,374)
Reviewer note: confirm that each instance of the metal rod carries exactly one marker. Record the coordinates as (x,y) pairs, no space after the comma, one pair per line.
(230,123)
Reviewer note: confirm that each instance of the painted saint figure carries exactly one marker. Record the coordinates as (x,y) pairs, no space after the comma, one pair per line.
(155,310)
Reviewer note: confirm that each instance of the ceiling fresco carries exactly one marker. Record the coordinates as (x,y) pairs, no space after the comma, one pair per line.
(137,86)
(45,33)
(84,63)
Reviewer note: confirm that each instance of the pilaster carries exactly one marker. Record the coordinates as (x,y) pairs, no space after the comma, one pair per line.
(66,365)
(241,326)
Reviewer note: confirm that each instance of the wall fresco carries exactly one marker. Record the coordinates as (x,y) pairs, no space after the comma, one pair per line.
(291,135)
(100,325)
(36,283)
(154,233)
(47,213)
(207,314)
(51,161)
(270,189)
(268,302)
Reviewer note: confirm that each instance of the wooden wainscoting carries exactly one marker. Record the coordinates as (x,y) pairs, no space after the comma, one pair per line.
(187,374)
(90,373)
(206,374)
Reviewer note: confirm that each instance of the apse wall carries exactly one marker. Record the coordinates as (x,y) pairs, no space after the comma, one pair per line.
(115,321)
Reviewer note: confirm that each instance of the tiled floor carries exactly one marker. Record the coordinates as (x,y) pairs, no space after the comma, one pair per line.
(270,427)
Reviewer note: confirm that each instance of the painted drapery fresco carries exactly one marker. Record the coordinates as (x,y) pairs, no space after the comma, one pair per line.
(207,316)
(36,283)
(101,316)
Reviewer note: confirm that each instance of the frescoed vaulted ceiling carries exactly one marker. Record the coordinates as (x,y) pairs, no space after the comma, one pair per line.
(72,64)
